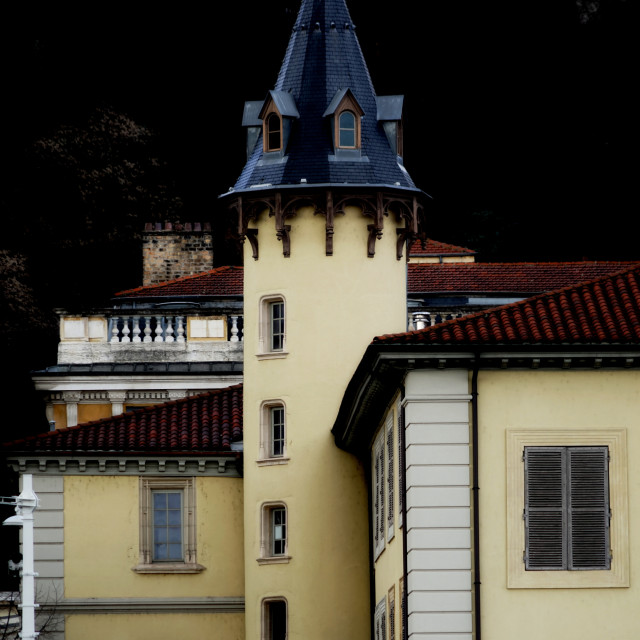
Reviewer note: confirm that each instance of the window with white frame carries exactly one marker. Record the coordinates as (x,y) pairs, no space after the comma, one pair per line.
(274,540)
(273,439)
(400,424)
(272,338)
(168,526)
(274,619)
(379,522)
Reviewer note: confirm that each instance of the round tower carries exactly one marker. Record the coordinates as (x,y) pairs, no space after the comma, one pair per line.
(326,208)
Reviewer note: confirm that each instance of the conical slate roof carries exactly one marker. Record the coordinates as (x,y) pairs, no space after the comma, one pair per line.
(323,61)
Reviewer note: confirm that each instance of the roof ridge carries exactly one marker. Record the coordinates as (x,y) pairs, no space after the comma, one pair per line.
(180,279)
(475,265)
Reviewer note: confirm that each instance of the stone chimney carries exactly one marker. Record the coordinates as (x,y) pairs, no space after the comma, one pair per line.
(174,250)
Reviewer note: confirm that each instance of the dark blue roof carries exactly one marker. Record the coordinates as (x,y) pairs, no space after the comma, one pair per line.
(323,58)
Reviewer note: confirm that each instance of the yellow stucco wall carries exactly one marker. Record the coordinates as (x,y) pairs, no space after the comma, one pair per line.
(89,412)
(101,541)
(221,626)
(334,306)
(60,415)
(538,400)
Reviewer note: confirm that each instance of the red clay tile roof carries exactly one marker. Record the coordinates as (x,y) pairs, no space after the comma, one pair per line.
(436,248)
(222,281)
(505,277)
(205,424)
(602,311)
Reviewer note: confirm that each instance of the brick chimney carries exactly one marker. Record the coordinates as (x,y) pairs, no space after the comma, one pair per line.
(174,250)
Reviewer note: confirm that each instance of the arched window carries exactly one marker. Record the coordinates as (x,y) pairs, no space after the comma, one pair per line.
(273,132)
(347,130)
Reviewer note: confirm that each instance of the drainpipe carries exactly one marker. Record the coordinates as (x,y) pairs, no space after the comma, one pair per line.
(476,491)
(405,526)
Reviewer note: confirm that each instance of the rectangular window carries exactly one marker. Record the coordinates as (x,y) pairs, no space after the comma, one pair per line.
(277,435)
(274,620)
(401,470)
(167,526)
(274,545)
(566,508)
(380,620)
(276,323)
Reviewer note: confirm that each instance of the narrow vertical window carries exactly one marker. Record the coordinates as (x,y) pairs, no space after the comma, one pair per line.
(167,526)
(274,620)
(400,424)
(277,436)
(274,543)
(390,476)
(347,130)
(276,320)
(273,133)
(378,495)
(278,531)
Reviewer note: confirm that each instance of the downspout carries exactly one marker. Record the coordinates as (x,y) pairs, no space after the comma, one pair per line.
(403,475)
(476,497)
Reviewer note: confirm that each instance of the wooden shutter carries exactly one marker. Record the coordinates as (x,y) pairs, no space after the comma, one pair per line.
(588,507)
(566,508)
(400,425)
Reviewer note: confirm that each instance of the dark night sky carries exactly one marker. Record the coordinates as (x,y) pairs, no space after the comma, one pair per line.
(524,110)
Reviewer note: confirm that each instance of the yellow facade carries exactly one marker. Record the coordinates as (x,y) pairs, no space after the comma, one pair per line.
(334,305)
(222,626)
(587,402)
(109,507)
(90,412)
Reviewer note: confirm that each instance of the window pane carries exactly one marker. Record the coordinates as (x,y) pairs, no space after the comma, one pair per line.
(273,132)
(276,312)
(278,531)
(277,431)
(347,133)
(277,617)
(167,525)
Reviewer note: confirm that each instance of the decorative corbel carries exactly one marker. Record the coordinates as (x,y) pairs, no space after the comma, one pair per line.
(282,229)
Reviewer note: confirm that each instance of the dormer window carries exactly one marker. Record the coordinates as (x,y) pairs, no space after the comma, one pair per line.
(346,115)
(347,130)
(277,115)
(273,132)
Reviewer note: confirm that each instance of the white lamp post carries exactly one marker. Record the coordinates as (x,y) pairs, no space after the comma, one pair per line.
(26,503)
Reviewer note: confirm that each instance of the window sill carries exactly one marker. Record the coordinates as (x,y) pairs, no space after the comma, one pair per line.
(169,567)
(272,355)
(274,560)
(269,462)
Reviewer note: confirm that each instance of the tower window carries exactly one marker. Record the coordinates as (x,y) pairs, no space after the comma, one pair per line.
(276,321)
(273,132)
(274,619)
(273,433)
(274,540)
(347,130)
(272,327)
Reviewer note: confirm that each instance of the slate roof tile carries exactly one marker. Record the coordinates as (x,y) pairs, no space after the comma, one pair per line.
(205,424)
(600,311)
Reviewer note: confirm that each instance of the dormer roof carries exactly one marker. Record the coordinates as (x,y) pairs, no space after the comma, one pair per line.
(322,63)
(284,103)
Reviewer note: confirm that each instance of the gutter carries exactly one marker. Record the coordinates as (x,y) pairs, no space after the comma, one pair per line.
(476,498)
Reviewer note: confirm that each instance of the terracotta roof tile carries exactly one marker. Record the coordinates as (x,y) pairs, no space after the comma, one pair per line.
(204,424)
(504,277)
(217,282)
(436,248)
(601,311)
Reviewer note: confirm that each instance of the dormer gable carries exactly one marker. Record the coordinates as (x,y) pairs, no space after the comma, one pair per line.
(390,116)
(346,120)
(277,115)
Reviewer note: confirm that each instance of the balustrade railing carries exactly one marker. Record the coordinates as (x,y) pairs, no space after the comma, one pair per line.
(423,319)
(159,328)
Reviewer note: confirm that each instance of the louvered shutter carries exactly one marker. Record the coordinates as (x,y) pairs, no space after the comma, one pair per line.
(588,507)
(566,508)
(390,476)
(378,495)
(399,412)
